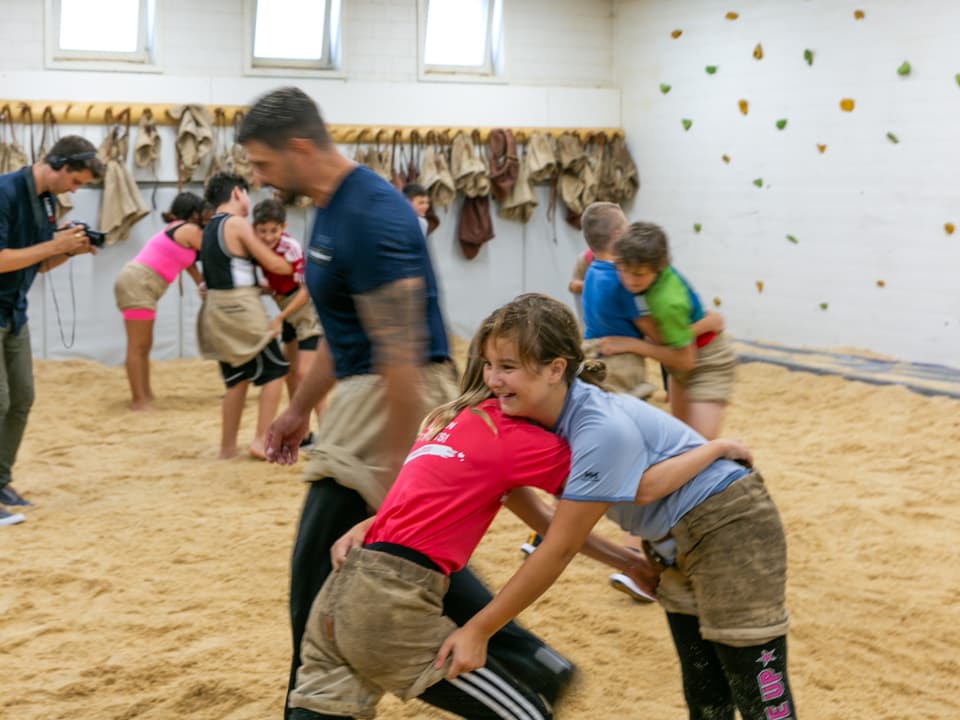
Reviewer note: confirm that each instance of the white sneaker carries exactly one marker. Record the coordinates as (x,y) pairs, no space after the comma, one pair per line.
(9,518)
(531,544)
(624,584)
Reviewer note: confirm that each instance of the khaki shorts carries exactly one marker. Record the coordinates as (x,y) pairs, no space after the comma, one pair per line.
(731,567)
(304,321)
(626,372)
(713,377)
(138,287)
(375,627)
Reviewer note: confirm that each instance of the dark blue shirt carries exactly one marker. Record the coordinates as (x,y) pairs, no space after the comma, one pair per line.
(366,237)
(25,219)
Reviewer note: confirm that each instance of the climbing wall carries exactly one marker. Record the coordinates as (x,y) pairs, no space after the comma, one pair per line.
(802,157)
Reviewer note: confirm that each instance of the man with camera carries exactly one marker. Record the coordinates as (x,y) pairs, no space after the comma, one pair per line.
(30,242)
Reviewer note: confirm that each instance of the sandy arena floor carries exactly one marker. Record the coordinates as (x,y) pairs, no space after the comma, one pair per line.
(150,580)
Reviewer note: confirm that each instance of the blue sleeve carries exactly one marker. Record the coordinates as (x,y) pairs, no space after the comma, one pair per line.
(640,301)
(384,245)
(607,458)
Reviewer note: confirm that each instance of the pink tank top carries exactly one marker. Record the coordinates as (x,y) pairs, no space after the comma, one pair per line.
(164,256)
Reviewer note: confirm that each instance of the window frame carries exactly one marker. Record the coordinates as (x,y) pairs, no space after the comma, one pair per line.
(492,68)
(143,59)
(329,64)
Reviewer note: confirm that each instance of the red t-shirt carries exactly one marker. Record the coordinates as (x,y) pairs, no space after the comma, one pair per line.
(289,249)
(451,487)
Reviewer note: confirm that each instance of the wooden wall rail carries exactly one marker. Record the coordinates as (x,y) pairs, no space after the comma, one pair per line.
(81,113)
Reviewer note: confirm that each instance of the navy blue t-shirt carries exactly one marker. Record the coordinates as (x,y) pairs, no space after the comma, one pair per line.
(366,237)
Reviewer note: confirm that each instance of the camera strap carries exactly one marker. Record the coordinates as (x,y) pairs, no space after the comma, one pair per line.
(56,307)
(50,208)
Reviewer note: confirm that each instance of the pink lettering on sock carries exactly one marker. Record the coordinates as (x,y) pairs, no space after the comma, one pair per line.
(770,686)
(779,712)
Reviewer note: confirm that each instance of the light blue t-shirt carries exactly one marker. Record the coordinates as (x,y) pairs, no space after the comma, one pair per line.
(608,307)
(613,440)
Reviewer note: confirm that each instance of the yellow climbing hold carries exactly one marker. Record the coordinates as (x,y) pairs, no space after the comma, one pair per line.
(676,33)
(759,286)
(732,15)
(859,14)
(949,228)
(725,158)
(744,106)
(847,105)
(716,302)
(821,148)
(758,52)
(881,283)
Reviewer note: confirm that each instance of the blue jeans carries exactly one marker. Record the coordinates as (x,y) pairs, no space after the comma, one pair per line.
(16,394)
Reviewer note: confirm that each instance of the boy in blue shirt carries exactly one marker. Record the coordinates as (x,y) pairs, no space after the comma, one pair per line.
(608,307)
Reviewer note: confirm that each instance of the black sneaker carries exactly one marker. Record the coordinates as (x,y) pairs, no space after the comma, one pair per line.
(10,497)
(9,518)
(307,441)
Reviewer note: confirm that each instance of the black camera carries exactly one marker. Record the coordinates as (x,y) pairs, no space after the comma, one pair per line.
(97,238)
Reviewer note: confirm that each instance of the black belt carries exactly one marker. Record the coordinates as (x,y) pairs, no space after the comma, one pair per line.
(402,551)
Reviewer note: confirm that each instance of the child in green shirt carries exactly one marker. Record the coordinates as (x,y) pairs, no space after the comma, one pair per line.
(701,366)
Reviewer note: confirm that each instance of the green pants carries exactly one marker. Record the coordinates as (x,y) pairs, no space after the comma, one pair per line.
(16,395)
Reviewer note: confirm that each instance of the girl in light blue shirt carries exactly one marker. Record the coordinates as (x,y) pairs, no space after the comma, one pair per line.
(701,506)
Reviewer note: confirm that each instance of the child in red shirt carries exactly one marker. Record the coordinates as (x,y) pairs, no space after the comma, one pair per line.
(377,624)
(297,323)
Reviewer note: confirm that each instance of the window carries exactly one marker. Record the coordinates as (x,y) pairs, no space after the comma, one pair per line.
(100,31)
(296,34)
(461,36)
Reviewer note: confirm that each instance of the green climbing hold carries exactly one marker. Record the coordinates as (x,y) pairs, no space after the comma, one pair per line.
(957,78)
(893,138)
(711,69)
(904,68)
(697,227)
(758,182)
(808,56)
(792,239)
(664,88)
(781,123)
(686,122)
(824,306)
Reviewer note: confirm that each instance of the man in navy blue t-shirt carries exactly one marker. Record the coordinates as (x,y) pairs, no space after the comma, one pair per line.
(370,277)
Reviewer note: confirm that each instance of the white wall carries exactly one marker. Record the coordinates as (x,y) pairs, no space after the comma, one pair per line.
(865,210)
(559,74)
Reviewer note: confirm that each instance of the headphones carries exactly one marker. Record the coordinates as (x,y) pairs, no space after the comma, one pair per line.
(58,161)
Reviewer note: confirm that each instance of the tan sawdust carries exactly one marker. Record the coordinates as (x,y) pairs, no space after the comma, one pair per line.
(150,579)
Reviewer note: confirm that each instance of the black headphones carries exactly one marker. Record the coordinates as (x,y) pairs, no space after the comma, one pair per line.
(58,161)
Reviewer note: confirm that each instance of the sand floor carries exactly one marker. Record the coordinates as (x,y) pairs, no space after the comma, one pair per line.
(150,580)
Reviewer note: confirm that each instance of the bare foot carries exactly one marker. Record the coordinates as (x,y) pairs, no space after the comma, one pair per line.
(227,453)
(257,450)
(142,406)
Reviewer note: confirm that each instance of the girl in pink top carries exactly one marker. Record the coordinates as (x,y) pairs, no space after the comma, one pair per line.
(143,281)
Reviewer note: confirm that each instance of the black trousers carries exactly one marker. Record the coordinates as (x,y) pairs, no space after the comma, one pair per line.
(718,679)
(329,511)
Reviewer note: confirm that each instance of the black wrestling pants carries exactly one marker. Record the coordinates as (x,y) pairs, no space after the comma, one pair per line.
(329,511)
